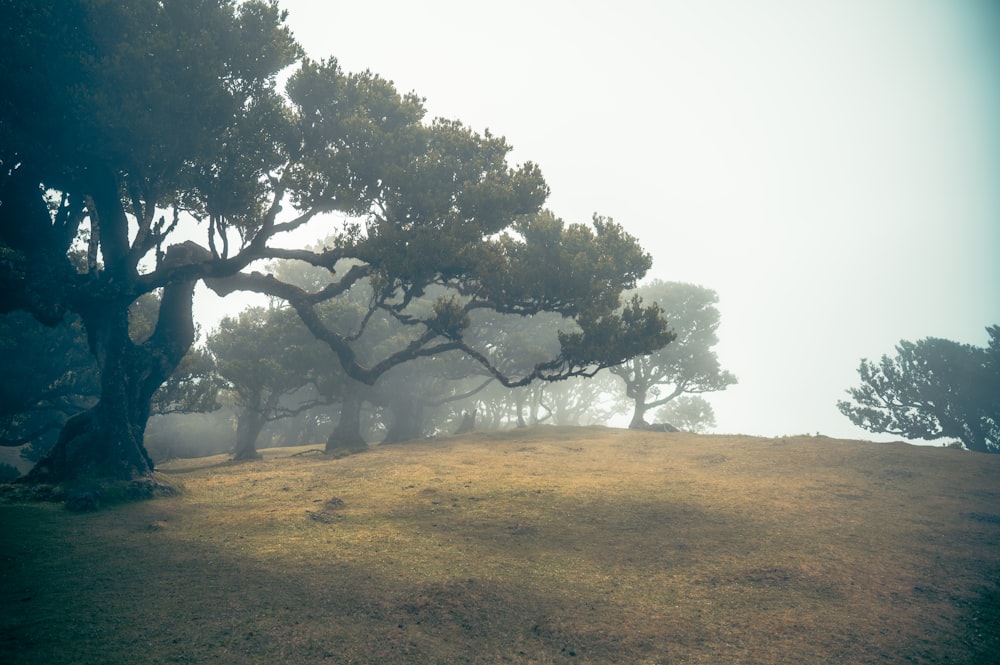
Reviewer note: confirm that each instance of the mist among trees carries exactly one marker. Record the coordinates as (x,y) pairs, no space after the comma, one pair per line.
(149,133)
(443,296)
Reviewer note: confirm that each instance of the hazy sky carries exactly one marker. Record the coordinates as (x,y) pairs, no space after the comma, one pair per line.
(830,168)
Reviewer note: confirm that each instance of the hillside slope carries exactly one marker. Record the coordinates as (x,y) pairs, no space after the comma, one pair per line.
(548,545)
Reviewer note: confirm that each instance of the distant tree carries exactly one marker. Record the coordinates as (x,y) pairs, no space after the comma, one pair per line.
(418,340)
(516,344)
(932,389)
(686,365)
(192,388)
(577,401)
(688,413)
(267,357)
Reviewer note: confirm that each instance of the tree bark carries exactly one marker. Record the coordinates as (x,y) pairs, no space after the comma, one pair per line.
(346,437)
(249,423)
(407,420)
(106,442)
(519,405)
(639,410)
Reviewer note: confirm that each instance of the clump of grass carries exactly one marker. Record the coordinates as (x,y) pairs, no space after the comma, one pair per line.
(547,545)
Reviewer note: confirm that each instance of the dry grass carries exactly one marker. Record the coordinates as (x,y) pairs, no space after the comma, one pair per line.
(548,545)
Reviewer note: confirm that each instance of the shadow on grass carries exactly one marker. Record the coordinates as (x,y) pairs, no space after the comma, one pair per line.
(134,595)
(116,588)
(431,562)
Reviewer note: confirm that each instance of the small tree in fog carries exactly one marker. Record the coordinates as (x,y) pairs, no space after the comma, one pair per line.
(932,389)
(688,413)
(266,356)
(686,365)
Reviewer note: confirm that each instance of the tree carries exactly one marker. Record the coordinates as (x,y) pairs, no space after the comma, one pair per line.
(688,364)
(931,389)
(267,358)
(49,375)
(161,118)
(112,111)
(688,413)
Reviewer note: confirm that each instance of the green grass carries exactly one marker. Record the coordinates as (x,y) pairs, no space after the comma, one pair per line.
(548,545)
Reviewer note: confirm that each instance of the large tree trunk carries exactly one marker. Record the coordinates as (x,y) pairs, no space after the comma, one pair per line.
(639,411)
(407,420)
(249,424)
(519,406)
(106,442)
(346,437)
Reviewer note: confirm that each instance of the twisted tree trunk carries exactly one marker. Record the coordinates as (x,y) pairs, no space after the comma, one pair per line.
(638,394)
(407,420)
(106,441)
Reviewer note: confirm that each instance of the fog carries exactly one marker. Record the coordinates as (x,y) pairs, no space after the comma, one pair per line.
(829,169)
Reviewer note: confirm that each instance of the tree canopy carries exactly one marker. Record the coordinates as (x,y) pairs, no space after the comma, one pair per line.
(127,130)
(688,413)
(266,356)
(932,389)
(688,364)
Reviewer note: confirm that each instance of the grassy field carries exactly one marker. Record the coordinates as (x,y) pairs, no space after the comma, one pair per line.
(547,545)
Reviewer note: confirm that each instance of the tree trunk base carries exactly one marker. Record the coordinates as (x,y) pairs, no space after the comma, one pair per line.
(341,445)
(90,494)
(247,456)
(88,449)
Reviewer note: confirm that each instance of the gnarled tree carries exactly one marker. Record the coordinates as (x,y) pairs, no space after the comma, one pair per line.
(933,388)
(126,129)
(688,365)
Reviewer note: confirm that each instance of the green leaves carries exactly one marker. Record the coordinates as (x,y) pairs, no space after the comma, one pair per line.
(613,338)
(354,131)
(688,364)
(264,353)
(931,389)
(127,109)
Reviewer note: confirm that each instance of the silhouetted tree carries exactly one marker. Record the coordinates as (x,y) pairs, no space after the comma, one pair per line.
(931,389)
(50,375)
(111,112)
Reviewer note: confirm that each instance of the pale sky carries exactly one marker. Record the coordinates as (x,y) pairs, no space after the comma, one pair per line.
(830,168)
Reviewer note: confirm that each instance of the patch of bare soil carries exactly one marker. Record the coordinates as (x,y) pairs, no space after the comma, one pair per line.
(548,545)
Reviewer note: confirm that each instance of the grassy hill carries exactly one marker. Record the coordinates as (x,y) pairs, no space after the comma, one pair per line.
(547,545)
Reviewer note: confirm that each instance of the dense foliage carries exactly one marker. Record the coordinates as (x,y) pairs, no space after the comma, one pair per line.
(127,129)
(271,364)
(688,365)
(932,389)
